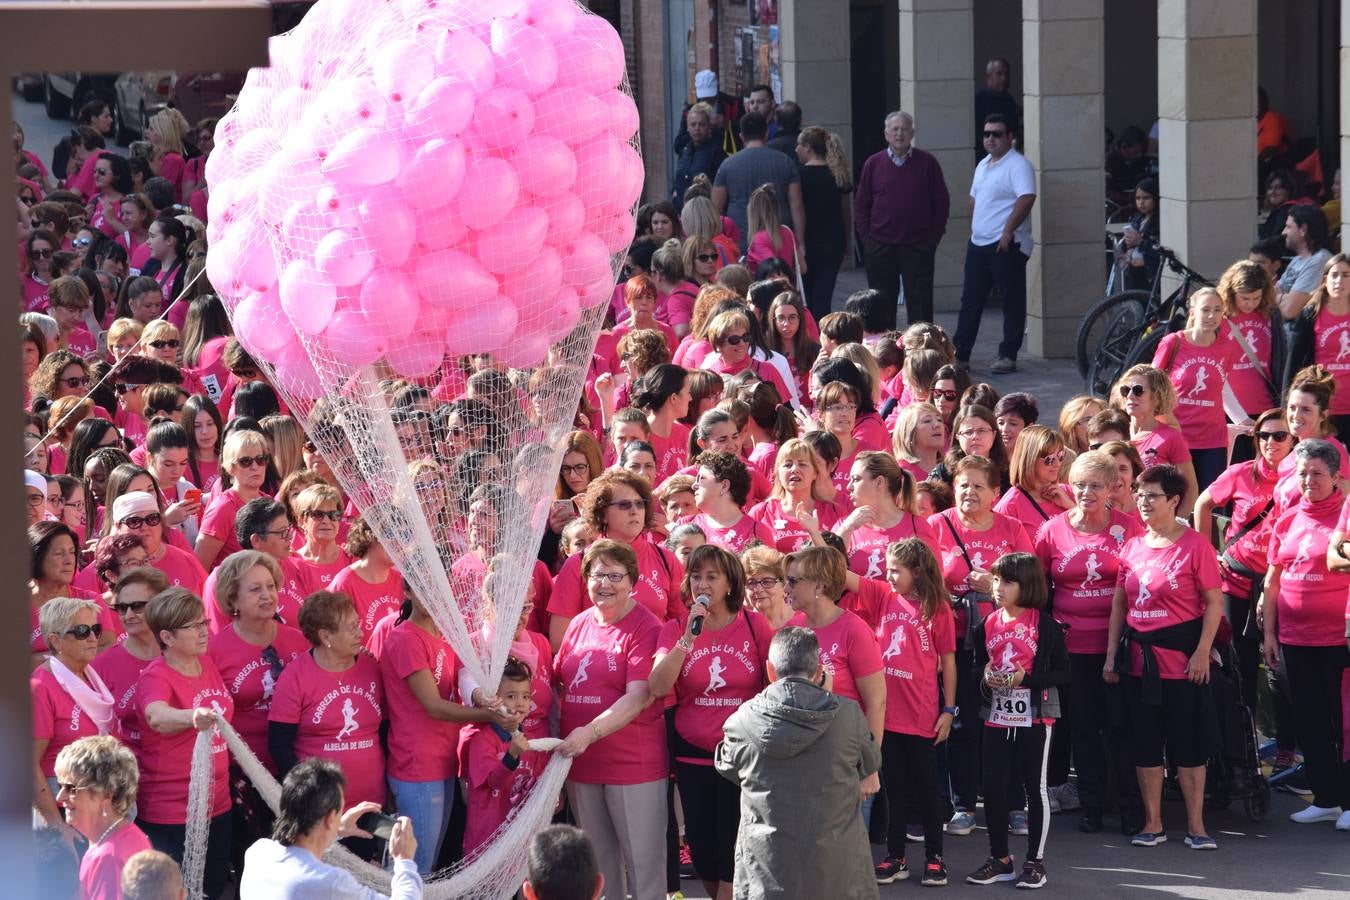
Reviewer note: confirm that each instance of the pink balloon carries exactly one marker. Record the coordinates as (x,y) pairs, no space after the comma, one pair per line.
(443,109)
(462,56)
(260,325)
(364,157)
(592,56)
(343,258)
(504,117)
(532,287)
(525,349)
(525,58)
(354,103)
(482,329)
(402,69)
(491,188)
(570,115)
(295,372)
(598,292)
(351,339)
(259,267)
(449,279)
(337,205)
(433,176)
(292,176)
(308,297)
(441,227)
(224,261)
(513,241)
(621,114)
(605,176)
(567,311)
(416,358)
(551,17)
(616,231)
(586,261)
(566,217)
(388,226)
(389,304)
(546,166)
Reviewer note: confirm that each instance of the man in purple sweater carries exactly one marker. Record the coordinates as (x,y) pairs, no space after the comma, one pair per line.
(900,211)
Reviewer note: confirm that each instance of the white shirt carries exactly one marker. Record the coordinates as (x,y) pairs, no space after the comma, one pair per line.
(276,872)
(995,188)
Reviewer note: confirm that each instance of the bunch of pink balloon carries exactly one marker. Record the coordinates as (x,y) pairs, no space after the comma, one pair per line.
(412,179)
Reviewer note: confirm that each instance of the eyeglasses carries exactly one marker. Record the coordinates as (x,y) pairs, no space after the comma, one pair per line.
(331,515)
(792,581)
(1053,459)
(949,396)
(165,345)
(611,577)
(123,608)
(129,388)
(73,504)
(735,340)
(70,789)
(1148,496)
(279,532)
(191,626)
(1132,390)
(576,469)
(706,257)
(76,381)
(102,171)
(1088,487)
(762,584)
(974,432)
(58,500)
(1278,437)
(85,632)
(841,408)
(135,522)
(994,134)
(80,242)
(36,500)
(248,462)
(629,505)
(40,254)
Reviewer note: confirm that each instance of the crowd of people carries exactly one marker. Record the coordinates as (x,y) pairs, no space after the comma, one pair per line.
(960,598)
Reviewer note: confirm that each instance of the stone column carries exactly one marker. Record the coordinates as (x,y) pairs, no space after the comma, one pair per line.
(936,61)
(815,53)
(1207,129)
(1062,52)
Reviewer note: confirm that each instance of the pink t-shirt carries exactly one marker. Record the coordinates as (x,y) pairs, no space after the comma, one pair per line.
(1032,512)
(761,248)
(56,717)
(121,672)
(495,786)
(690,354)
(218,522)
(251,679)
(339,715)
(594,666)
(1198,374)
(868,602)
(671,451)
(848,651)
(101,867)
(80,342)
(35,294)
(867,544)
(321,575)
(764,370)
(181,568)
(983,547)
(1247,381)
(1164,444)
(759,485)
(763,458)
(1248,494)
(420,748)
(725,669)
(871,434)
(658,589)
(912,648)
(1011,643)
(788,535)
(1287,493)
(209,471)
(373,601)
(1312,599)
(677,307)
(1082,570)
(735,537)
(1163,587)
(1331,348)
(166,759)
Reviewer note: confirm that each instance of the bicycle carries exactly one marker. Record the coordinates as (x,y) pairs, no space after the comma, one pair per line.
(1117,264)
(1126,328)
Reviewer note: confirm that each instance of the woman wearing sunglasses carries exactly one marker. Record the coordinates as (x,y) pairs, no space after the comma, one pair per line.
(121,665)
(139,513)
(55,559)
(112,181)
(1036,495)
(39,249)
(63,374)
(70,700)
(701,259)
(243,469)
(318,509)
(735,349)
(1146,395)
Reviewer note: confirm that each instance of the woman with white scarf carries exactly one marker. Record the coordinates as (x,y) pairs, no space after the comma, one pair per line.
(70,700)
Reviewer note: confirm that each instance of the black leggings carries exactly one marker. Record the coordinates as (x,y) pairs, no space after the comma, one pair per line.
(712,816)
(1246,644)
(1028,750)
(170,839)
(1087,728)
(1315,681)
(963,747)
(909,765)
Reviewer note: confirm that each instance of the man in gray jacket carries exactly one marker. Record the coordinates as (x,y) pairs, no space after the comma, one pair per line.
(799,754)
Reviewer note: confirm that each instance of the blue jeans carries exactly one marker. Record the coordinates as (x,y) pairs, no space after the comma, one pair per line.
(986,268)
(427,804)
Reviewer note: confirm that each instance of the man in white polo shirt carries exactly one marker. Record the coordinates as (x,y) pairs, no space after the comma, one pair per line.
(1001,196)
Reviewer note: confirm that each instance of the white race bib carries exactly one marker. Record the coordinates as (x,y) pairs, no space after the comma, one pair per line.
(1011,708)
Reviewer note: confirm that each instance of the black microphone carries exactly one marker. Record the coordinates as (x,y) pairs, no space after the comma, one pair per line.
(704,601)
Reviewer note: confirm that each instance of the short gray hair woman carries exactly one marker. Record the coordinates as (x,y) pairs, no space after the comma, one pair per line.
(99,778)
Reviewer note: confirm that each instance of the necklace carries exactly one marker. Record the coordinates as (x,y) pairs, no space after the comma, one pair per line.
(110,829)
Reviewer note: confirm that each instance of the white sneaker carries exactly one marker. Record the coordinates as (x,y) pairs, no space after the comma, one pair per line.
(1343,823)
(1319,814)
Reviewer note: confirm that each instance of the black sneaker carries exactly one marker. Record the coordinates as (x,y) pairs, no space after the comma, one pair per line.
(934,873)
(1033,874)
(892,869)
(993,870)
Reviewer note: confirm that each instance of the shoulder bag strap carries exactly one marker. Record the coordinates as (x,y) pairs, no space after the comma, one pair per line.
(1244,530)
(959,543)
(1250,353)
(1034,505)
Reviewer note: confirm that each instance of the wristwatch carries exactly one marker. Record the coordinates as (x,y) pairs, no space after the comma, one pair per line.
(952,711)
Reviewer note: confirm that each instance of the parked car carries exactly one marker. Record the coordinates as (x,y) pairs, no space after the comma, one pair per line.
(63,93)
(195,94)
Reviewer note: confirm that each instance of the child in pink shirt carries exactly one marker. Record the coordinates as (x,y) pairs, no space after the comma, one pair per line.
(501,768)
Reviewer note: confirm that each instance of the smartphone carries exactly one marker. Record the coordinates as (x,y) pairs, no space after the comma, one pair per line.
(568,507)
(192,495)
(377,824)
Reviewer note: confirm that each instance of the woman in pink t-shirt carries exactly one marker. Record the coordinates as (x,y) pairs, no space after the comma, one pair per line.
(639,295)
(711,673)
(122,664)
(801,483)
(371,580)
(1305,622)
(329,703)
(615,734)
(319,511)
(721,489)
(1036,495)
(178,695)
(1250,310)
(101,777)
(243,460)
(919,440)
(138,512)
(201,420)
(764,585)
(1307,411)
(788,333)
(734,351)
(1146,395)
(1080,553)
(883,512)
(1321,335)
(663,394)
(1167,606)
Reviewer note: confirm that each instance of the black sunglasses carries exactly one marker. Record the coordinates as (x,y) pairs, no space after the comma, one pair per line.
(123,608)
(1132,390)
(76,381)
(706,257)
(84,632)
(735,340)
(995,134)
(166,344)
(249,462)
(331,515)
(134,522)
(1277,436)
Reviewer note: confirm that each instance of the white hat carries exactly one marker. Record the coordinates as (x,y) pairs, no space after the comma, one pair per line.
(134,502)
(705,84)
(35,481)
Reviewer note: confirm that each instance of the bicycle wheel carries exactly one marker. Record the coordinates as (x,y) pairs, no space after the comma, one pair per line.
(1146,347)
(1126,305)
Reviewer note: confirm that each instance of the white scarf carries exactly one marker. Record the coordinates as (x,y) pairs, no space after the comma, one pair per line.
(92,696)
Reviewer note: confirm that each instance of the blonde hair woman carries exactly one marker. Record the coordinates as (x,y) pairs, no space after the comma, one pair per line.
(166,131)
(1036,495)
(769,238)
(1146,395)
(160,340)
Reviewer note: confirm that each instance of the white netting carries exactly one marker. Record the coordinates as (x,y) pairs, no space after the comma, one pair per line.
(410,185)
